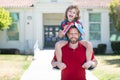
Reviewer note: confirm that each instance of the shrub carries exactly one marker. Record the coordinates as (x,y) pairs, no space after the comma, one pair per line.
(115,45)
(101,48)
(9,51)
(95,50)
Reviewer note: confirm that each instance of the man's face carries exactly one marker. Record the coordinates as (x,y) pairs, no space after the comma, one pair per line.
(73,35)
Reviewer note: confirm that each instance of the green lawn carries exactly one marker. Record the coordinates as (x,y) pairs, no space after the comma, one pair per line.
(13,66)
(108,67)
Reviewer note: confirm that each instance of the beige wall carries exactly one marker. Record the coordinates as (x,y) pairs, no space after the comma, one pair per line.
(52,18)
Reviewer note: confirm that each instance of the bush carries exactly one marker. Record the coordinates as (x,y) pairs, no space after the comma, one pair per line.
(9,51)
(5,19)
(101,49)
(115,45)
(95,50)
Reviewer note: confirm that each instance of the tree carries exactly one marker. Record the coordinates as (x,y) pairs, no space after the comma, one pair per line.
(5,19)
(115,13)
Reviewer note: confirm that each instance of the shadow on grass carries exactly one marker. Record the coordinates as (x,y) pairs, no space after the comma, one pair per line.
(114,61)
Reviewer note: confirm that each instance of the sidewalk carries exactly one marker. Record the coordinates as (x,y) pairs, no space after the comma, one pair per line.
(40,68)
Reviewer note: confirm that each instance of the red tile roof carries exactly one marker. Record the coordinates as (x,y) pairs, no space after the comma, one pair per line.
(93,3)
(16,3)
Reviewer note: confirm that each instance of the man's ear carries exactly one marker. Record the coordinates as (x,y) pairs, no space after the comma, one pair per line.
(79,34)
(67,34)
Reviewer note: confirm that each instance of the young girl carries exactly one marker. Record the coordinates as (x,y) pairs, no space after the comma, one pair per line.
(71,17)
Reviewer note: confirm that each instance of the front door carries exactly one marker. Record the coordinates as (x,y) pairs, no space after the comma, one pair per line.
(50,36)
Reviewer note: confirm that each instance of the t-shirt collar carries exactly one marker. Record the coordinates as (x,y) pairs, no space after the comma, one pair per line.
(79,45)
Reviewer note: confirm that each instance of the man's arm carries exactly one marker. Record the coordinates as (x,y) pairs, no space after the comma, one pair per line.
(89,49)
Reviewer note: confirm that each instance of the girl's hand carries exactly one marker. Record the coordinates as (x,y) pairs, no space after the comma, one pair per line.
(61,65)
(61,34)
(87,64)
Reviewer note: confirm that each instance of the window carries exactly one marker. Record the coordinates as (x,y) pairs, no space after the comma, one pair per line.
(13,32)
(95,26)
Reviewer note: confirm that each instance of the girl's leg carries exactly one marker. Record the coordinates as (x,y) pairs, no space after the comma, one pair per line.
(89,49)
(58,51)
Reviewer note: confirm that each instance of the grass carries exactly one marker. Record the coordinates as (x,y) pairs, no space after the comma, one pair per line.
(108,67)
(13,66)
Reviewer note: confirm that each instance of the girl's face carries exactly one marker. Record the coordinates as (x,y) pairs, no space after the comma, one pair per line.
(71,14)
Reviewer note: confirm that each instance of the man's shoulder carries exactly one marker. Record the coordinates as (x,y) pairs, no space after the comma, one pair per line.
(65,46)
(80,45)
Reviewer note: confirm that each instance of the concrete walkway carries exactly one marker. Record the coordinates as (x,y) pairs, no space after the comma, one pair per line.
(41,69)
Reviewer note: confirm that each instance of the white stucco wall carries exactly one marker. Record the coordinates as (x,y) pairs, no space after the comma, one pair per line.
(25,32)
(105,29)
(40,14)
(38,28)
(32,21)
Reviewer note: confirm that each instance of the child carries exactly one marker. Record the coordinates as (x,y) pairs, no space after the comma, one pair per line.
(71,17)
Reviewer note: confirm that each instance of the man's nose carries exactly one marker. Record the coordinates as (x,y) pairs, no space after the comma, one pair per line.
(72,34)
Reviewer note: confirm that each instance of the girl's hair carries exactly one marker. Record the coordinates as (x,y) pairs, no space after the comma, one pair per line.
(73,7)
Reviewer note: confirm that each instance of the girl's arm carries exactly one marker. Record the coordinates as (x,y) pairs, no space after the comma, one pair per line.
(60,34)
(89,49)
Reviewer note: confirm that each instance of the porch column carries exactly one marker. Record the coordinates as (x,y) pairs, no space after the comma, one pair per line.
(105,30)
(38,29)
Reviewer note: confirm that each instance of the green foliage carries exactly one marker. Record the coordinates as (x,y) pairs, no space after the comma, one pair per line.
(115,47)
(101,49)
(108,67)
(5,19)
(12,67)
(115,13)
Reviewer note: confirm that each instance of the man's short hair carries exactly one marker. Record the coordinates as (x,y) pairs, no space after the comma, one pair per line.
(73,26)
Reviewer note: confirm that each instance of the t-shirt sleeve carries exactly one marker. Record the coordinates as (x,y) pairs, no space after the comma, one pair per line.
(92,56)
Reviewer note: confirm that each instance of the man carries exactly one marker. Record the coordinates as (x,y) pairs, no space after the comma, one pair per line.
(74,58)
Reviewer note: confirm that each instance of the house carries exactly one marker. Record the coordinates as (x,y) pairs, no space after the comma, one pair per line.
(39,20)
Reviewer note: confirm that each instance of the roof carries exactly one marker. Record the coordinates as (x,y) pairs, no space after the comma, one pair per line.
(93,3)
(16,3)
(81,3)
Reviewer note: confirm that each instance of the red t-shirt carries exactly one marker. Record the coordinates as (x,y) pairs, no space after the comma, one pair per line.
(74,59)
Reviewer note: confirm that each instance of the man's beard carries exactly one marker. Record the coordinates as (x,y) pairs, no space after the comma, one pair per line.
(73,41)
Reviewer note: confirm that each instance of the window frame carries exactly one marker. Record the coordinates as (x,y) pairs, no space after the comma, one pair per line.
(93,23)
(17,23)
